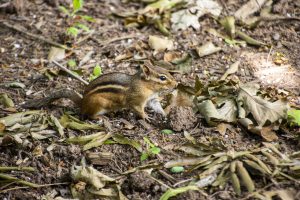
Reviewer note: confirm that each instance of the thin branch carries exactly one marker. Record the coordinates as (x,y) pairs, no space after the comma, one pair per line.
(70,72)
(114,39)
(26,187)
(38,37)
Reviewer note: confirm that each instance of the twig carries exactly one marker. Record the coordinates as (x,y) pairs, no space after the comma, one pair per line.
(11,178)
(160,182)
(19,29)
(183,181)
(114,39)
(26,187)
(269,53)
(85,38)
(277,18)
(167,176)
(31,169)
(70,72)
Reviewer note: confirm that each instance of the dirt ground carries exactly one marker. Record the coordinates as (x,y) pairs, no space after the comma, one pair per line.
(23,59)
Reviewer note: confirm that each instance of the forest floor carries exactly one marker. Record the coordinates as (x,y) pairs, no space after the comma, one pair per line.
(26,74)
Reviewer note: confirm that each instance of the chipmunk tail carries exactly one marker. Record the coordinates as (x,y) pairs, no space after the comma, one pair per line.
(55,95)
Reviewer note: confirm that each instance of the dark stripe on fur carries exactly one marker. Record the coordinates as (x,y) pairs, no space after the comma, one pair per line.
(108,90)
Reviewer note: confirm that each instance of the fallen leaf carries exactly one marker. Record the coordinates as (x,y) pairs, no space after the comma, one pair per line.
(262,110)
(207,49)
(161,5)
(57,125)
(167,131)
(245,177)
(227,112)
(170,56)
(281,193)
(222,127)
(265,132)
(56,54)
(206,181)
(248,39)
(249,8)
(160,44)
(183,19)
(231,70)
(90,176)
(71,122)
(229,24)
(2,127)
(124,56)
(15,85)
(189,17)
(6,101)
(124,140)
(173,192)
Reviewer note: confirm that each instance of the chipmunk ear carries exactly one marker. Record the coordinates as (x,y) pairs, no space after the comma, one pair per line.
(146,69)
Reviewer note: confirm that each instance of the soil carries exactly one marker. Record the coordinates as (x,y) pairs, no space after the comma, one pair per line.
(23,59)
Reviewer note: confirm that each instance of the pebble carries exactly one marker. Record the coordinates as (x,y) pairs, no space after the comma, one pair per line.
(276,36)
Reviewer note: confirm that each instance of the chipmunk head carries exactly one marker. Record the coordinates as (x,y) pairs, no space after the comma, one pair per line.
(157,77)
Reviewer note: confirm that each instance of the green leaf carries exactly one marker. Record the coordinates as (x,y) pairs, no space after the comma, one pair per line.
(148,142)
(124,140)
(144,156)
(97,70)
(249,39)
(155,150)
(173,192)
(64,10)
(72,31)
(294,116)
(77,5)
(87,18)
(167,131)
(83,27)
(72,63)
(110,142)
(71,122)
(177,169)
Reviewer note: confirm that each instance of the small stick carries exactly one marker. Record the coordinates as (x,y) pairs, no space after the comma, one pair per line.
(70,72)
(40,186)
(89,35)
(31,169)
(114,39)
(269,53)
(19,29)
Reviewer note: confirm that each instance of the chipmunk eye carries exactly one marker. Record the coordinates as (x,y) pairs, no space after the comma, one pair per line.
(163,78)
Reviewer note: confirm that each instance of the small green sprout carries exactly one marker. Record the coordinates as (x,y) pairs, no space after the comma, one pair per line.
(76,20)
(97,71)
(153,150)
(72,64)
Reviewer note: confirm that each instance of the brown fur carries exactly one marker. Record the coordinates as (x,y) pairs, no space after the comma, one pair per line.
(115,91)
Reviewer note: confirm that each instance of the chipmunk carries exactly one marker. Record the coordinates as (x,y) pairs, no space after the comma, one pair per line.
(116,91)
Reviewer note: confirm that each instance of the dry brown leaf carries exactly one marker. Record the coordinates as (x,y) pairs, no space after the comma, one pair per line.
(2,127)
(160,44)
(222,127)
